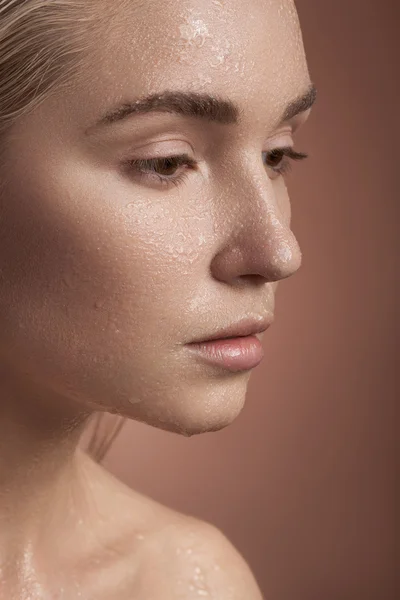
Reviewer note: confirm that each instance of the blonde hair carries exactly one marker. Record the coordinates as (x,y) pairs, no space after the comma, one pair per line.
(43,44)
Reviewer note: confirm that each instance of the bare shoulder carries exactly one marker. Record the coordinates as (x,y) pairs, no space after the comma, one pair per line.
(162,554)
(197,559)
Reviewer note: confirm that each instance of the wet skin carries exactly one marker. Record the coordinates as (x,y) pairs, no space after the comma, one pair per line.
(109,271)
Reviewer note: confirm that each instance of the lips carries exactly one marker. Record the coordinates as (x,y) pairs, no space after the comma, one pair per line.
(242,328)
(238,354)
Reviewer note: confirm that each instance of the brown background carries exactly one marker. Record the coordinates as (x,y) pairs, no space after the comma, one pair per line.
(303,481)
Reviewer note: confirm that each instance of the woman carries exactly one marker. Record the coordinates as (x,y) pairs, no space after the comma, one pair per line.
(143,208)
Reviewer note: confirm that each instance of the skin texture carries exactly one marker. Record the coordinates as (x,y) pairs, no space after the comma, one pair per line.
(105,276)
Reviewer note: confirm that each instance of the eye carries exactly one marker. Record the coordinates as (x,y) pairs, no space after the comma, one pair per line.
(279,159)
(163,169)
(173,170)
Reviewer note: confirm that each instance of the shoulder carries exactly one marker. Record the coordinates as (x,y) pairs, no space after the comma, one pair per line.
(199,557)
(163,554)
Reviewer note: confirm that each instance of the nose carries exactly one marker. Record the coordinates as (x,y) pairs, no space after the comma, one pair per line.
(258,240)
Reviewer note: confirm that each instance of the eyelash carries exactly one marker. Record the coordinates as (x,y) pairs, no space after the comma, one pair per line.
(146,167)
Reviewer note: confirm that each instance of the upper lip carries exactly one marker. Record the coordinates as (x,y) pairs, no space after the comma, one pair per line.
(239,329)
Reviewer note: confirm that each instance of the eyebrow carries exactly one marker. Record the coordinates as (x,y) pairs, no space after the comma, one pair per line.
(208,107)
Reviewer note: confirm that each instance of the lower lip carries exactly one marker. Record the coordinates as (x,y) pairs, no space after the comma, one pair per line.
(234,354)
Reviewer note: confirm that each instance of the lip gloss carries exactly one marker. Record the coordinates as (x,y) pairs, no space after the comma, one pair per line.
(234,354)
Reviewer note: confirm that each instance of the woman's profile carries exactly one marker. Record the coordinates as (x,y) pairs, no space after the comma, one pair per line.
(143,211)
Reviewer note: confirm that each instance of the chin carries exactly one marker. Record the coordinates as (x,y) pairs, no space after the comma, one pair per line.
(188,407)
(195,416)
(194,428)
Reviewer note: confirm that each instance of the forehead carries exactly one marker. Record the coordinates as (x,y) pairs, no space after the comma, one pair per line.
(249,50)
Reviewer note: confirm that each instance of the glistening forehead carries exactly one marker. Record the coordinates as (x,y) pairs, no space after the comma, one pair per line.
(197,105)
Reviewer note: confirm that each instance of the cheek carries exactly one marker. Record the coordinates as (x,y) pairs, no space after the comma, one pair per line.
(93,292)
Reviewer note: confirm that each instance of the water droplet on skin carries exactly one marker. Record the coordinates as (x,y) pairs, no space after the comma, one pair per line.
(215,62)
(284,253)
(134,400)
(194,32)
(203,79)
(275,221)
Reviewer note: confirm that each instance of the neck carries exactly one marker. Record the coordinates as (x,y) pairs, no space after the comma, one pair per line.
(39,437)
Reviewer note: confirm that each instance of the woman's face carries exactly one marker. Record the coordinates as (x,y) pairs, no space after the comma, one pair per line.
(107,271)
